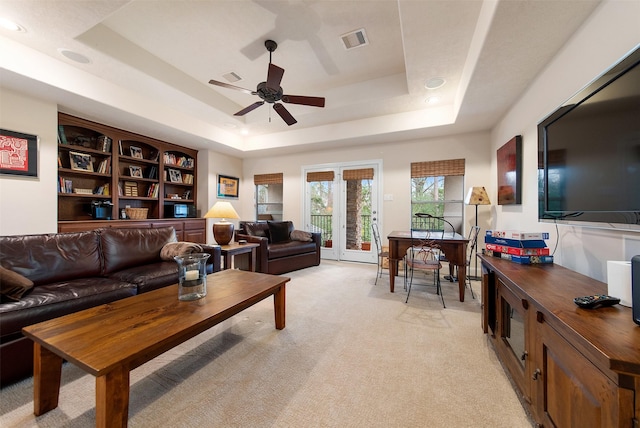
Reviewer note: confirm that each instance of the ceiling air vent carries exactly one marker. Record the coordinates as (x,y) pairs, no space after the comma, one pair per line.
(354,39)
(232,77)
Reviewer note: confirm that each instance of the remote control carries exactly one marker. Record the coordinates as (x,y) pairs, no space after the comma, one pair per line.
(596,301)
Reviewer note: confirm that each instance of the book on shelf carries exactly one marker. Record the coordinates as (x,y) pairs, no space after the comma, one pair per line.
(516,234)
(517,251)
(62,137)
(518,243)
(104,143)
(523,260)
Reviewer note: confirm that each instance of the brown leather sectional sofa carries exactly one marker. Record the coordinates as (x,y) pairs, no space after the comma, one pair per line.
(279,250)
(75,271)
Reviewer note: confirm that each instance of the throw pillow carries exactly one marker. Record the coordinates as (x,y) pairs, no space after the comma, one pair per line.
(13,285)
(171,249)
(301,235)
(278,231)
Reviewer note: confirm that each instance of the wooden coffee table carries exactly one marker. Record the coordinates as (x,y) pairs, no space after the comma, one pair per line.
(109,341)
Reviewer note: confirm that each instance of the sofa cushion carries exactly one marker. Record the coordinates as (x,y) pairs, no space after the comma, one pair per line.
(260,230)
(290,248)
(61,298)
(149,277)
(172,249)
(124,248)
(280,231)
(52,257)
(13,285)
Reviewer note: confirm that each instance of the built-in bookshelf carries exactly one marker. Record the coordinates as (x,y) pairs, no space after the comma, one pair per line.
(99,165)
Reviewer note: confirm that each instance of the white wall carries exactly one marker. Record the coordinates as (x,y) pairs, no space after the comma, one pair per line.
(606,37)
(396,158)
(210,164)
(29,204)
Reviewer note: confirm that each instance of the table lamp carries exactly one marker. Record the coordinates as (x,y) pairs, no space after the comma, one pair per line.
(477,196)
(222,230)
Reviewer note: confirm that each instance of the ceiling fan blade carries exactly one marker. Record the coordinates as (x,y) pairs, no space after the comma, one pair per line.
(308,101)
(250,108)
(284,114)
(274,77)
(228,86)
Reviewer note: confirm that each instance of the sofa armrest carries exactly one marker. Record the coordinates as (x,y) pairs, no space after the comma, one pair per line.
(317,238)
(216,255)
(262,256)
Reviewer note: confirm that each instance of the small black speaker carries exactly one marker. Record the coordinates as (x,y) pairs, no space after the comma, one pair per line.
(635,288)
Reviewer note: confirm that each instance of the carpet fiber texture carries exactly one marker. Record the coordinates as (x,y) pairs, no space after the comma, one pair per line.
(352,355)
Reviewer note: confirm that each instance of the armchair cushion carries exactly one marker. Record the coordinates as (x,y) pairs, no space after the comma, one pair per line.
(13,285)
(261,230)
(280,231)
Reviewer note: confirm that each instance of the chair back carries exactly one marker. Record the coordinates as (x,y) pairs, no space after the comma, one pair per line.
(376,237)
(473,242)
(425,229)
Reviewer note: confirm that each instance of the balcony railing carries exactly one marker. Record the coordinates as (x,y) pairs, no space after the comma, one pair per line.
(322,224)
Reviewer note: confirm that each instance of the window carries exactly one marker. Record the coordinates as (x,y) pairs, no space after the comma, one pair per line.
(268,196)
(437,188)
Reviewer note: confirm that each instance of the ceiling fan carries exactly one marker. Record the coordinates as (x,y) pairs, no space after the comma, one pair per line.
(271,91)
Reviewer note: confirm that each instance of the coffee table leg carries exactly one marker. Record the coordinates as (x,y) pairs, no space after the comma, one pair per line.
(279,306)
(47,369)
(112,398)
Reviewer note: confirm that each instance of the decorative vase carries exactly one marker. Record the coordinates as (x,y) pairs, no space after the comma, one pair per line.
(192,276)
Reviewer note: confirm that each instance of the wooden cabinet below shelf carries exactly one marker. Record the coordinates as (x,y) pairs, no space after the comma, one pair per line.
(187,229)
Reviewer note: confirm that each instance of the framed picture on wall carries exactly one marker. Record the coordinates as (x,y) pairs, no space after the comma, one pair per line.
(510,172)
(228,186)
(18,153)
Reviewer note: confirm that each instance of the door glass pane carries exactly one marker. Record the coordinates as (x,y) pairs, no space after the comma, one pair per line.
(322,210)
(358,224)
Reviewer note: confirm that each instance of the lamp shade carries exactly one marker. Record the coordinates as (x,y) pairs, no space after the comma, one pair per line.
(222,230)
(222,210)
(477,196)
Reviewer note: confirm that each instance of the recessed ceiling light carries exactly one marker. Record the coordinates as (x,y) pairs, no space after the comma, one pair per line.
(7,24)
(244,131)
(432,100)
(74,56)
(435,83)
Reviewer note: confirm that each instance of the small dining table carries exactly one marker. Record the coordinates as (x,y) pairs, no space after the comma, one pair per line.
(452,244)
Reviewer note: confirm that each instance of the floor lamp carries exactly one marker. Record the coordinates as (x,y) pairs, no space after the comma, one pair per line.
(477,196)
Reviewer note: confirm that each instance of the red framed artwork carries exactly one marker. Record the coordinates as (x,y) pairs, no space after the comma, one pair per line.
(510,172)
(18,153)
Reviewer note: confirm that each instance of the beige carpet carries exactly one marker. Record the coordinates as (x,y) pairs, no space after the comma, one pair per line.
(352,355)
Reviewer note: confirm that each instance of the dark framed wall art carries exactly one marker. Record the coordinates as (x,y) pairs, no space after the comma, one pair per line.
(18,153)
(228,186)
(510,172)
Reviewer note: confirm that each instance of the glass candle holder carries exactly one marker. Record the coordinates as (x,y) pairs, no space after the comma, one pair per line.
(192,276)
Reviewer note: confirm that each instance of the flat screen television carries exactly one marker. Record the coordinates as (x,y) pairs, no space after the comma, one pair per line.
(589,153)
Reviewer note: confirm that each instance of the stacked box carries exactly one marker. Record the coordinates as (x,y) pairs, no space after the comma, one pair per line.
(519,247)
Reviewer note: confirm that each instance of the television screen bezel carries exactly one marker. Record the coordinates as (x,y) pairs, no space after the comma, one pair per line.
(630,61)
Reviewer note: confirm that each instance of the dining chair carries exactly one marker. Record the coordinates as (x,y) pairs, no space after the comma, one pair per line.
(424,252)
(382,255)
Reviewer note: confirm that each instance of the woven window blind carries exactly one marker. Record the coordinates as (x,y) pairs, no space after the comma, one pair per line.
(358,174)
(320,176)
(437,168)
(275,178)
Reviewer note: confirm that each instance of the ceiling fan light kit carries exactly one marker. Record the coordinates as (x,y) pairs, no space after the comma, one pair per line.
(271,92)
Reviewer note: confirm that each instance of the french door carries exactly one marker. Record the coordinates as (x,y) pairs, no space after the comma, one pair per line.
(341,202)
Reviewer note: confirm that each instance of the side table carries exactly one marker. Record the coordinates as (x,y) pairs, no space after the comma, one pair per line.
(233,249)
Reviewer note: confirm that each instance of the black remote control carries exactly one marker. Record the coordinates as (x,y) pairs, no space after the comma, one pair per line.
(596,301)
